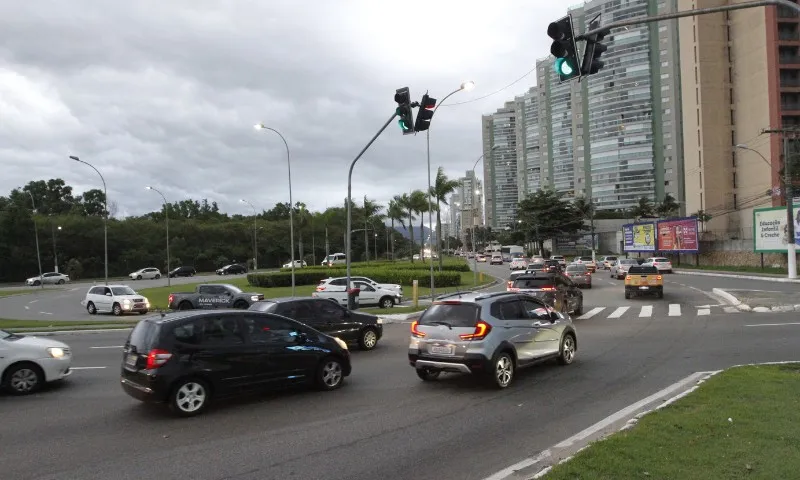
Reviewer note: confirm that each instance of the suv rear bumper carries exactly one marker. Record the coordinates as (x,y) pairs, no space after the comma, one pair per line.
(470,363)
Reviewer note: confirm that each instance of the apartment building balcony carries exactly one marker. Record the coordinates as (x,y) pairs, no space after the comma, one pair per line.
(786,36)
(789,60)
(787,13)
(790,83)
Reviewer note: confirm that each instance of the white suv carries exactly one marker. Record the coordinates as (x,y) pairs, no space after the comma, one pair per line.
(334,259)
(371,292)
(661,263)
(116,299)
(146,273)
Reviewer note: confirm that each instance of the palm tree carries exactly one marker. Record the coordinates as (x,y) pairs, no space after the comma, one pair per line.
(643,209)
(668,207)
(407,205)
(440,190)
(419,203)
(395,213)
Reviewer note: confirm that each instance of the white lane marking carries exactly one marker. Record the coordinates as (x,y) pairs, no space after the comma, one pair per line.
(674,310)
(528,462)
(45,313)
(772,324)
(703,311)
(731,310)
(33,301)
(618,312)
(27,307)
(591,313)
(86,368)
(74,289)
(647,311)
(110,346)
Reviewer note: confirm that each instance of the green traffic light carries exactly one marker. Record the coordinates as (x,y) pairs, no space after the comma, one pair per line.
(403,125)
(563,67)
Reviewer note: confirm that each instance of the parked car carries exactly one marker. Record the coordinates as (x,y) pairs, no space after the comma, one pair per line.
(189,358)
(662,264)
(116,299)
(327,317)
(27,362)
(620,268)
(183,272)
(490,335)
(497,259)
(555,289)
(580,275)
(233,269)
(208,296)
(50,278)
(367,295)
(518,263)
(145,274)
(334,259)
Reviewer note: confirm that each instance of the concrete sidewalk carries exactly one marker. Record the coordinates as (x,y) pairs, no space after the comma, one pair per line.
(760,301)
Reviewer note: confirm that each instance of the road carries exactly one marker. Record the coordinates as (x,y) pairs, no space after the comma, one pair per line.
(384,423)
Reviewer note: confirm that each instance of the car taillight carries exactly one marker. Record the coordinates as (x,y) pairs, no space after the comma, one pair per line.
(627,277)
(548,289)
(415,331)
(481,330)
(320,288)
(157,358)
(508,285)
(588,273)
(171,298)
(658,277)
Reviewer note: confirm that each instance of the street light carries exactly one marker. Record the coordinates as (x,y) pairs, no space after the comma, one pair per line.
(55,250)
(36,234)
(467,86)
(261,126)
(255,234)
(166,218)
(105,216)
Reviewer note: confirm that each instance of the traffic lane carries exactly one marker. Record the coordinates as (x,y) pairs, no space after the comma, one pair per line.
(725,283)
(382,423)
(123,280)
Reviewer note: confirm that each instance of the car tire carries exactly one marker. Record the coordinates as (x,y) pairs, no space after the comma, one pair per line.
(36,283)
(185,305)
(502,373)
(627,295)
(189,397)
(138,277)
(579,311)
(61,282)
(23,378)
(386,302)
(568,349)
(143,312)
(660,294)
(368,339)
(330,374)
(428,375)
(116,310)
(589,286)
(158,276)
(241,305)
(91,308)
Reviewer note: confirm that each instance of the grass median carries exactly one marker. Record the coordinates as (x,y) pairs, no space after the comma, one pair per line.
(732,269)
(44,325)
(741,423)
(11,293)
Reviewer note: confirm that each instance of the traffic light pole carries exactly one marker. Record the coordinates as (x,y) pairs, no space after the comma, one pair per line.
(348,240)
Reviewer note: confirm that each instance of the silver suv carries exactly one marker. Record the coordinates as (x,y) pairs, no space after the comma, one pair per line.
(489,334)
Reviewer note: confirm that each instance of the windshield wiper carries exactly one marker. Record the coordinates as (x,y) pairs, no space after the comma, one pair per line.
(442,323)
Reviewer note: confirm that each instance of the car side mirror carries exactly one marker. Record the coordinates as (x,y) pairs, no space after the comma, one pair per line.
(301,338)
(108,294)
(554,316)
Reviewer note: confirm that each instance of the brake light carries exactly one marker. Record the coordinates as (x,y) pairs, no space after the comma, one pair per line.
(548,289)
(320,288)
(658,277)
(512,289)
(157,358)
(415,331)
(171,298)
(627,277)
(481,330)
(588,273)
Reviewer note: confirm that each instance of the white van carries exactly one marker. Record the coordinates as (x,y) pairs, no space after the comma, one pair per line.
(334,259)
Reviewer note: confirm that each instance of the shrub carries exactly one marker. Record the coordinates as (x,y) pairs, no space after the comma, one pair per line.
(403,277)
(452,265)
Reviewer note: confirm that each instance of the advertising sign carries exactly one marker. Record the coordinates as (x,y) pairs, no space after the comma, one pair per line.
(770,230)
(639,237)
(679,235)
(577,244)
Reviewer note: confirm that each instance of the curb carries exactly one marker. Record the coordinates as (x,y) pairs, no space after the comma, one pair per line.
(51,333)
(742,277)
(734,301)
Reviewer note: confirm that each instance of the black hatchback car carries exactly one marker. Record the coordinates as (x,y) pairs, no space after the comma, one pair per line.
(328,317)
(185,358)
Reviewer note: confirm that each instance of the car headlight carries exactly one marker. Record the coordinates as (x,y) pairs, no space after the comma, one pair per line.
(56,352)
(126,301)
(254,298)
(379,321)
(341,342)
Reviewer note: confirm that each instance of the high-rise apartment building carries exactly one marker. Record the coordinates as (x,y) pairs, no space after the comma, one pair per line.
(500,166)
(455,215)
(470,194)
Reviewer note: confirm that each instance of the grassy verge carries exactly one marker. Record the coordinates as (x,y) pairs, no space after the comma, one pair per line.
(9,293)
(733,269)
(8,324)
(740,424)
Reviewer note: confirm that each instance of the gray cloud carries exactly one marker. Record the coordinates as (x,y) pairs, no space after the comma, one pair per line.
(166,93)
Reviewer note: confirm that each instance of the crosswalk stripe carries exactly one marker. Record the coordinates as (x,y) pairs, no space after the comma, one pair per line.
(618,312)
(674,310)
(647,311)
(731,310)
(591,313)
(704,311)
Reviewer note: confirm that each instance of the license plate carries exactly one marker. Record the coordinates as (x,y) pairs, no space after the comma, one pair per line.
(442,349)
(131,360)
(644,288)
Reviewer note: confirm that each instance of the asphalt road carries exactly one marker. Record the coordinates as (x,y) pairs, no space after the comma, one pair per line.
(384,423)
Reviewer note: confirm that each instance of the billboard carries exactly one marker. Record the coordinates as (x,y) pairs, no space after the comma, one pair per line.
(678,235)
(770,230)
(639,237)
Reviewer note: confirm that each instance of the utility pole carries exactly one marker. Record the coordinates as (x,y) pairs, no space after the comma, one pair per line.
(591,220)
(791,246)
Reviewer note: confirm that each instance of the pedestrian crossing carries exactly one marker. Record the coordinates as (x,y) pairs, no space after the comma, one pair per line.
(660,310)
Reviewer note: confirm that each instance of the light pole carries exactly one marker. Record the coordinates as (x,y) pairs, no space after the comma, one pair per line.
(468,85)
(36,233)
(166,222)
(105,215)
(255,234)
(261,126)
(55,249)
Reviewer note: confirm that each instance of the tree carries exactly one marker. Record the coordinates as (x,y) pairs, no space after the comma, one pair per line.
(668,207)
(440,190)
(419,203)
(644,208)
(702,218)
(546,215)
(92,203)
(408,206)
(395,213)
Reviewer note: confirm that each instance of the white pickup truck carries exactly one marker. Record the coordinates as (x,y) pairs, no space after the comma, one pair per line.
(370,292)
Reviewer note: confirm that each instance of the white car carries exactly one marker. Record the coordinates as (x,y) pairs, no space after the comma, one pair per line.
(334,259)
(27,363)
(297,264)
(51,278)
(116,299)
(518,264)
(369,293)
(661,263)
(146,273)
(560,259)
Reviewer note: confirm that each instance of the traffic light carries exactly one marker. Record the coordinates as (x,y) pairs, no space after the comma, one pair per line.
(403,99)
(591,56)
(425,113)
(564,48)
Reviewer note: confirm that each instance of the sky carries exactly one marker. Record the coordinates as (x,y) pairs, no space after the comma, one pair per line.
(166,93)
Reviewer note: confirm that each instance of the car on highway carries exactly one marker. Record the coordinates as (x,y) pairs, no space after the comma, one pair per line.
(327,317)
(480,258)
(579,274)
(560,259)
(588,261)
(643,280)
(334,259)
(148,273)
(664,265)
(116,299)
(512,277)
(620,268)
(497,259)
(367,295)
(297,264)
(608,261)
(518,263)
(490,335)
(340,284)
(50,278)
(217,295)
(186,359)
(184,271)
(27,363)
(555,289)
(232,269)
(552,265)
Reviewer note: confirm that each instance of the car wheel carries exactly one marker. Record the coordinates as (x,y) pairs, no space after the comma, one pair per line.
(91,308)
(143,312)
(568,348)
(138,277)
(386,302)
(578,311)
(660,294)
(61,282)
(241,304)
(23,378)
(428,375)
(502,371)
(158,276)
(185,305)
(189,397)
(368,339)
(36,283)
(589,285)
(330,374)
(627,295)
(116,309)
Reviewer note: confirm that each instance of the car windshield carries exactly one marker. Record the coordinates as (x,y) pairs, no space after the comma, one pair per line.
(451,315)
(533,283)
(263,306)
(586,259)
(122,291)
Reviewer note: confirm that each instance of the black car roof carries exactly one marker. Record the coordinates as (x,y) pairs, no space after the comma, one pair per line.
(181,315)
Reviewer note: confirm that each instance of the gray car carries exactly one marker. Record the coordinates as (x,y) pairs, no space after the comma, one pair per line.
(620,269)
(580,275)
(489,335)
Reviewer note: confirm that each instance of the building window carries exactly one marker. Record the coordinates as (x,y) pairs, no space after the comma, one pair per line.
(734,179)
(698,138)
(698,117)
(666,183)
(735,207)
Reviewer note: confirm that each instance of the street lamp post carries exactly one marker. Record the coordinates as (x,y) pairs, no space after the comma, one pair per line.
(468,85)
(55,249)
(261,126)
(255,234)
(166,223)
(105,216)
(36,234)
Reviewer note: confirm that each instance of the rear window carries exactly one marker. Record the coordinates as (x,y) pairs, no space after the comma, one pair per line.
(576,268)
(454,314)
(551,262)
(642,270)
(263,306)
(661,260)
(144,336)
(627,261)
(533,282)
(586,259)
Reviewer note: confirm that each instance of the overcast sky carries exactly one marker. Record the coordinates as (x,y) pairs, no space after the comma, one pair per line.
(165,93)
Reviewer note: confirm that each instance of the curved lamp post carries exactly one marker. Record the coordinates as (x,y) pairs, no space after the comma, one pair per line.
(166,218)
(105,216)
